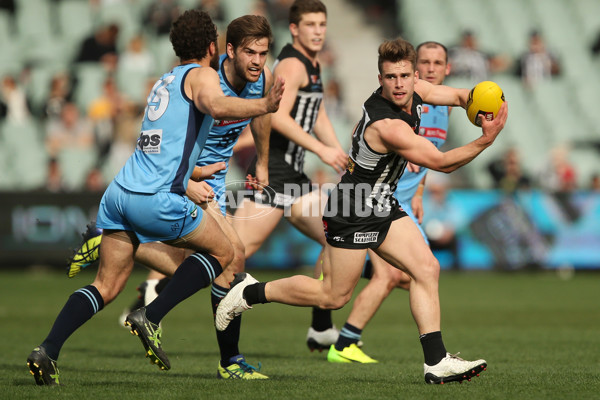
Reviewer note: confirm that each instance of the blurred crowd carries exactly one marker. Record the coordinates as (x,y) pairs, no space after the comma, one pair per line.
(87,118)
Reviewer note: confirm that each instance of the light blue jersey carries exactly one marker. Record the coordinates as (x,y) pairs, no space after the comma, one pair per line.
(148,195)
(225,134)
(173,134)
(434,127)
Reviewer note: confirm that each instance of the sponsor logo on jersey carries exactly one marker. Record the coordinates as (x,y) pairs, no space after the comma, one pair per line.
(350,165)
(225,123)
(365,237)
(149,141)
(433,133)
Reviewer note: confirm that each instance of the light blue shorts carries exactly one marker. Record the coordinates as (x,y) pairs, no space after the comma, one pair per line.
(152,217)
(408,209)
(218,185)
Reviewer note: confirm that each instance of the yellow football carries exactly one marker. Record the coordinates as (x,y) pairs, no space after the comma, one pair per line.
(485,99)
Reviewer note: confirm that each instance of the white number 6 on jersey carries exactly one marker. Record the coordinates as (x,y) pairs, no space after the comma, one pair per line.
(158,99)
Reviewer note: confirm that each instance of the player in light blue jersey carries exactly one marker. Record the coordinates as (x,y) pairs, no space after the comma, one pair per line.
(432,65)
(242,73)
(146,202)
(224,134)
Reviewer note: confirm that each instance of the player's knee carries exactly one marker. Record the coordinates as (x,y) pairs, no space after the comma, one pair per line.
(108,292)
(335,302)
(238,258)
(431,269)
(250,248)
(400,280)
(226,255)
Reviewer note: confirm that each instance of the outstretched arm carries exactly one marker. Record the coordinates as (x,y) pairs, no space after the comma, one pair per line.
(441,95)
(207,172)
(397,136)
(202,85)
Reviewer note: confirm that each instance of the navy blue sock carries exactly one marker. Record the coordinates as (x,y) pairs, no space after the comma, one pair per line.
(433,347)
(161,284)
(348,335)
(367,272)
(321,319)
(255,293)
(196,272)
(229,338)
(81,306)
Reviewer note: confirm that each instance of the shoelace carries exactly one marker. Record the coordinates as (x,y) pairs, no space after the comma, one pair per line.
(156,334)
(54,376)
(249,368)
(85,252)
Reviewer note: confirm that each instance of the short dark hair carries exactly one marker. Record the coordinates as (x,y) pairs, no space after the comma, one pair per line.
(191,35)
(244,29)
(397,50)
(432,45)
(301,7)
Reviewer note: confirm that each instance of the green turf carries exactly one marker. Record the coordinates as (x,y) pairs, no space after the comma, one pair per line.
(539,334)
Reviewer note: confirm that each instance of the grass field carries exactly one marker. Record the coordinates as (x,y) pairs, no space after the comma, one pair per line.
(539,334)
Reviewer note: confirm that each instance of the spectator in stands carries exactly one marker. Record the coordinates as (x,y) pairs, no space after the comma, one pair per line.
(137,58)
(440,221)
(559,175)
(160,15)
(9,6)
(537,64)
(469,62)
(279,11)
(507,172)
(100,46)
(126,131)
(54,179)
(215,9)
(595,183)
(596,46)
(333,100)
(94,181)
(13,101)
(70,131)
(60,94)
(103,113)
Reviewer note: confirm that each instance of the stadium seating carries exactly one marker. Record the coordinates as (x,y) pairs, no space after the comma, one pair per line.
(90,78)
(24,157)
(75,21)
(46,34)
(555,112)
(75,165)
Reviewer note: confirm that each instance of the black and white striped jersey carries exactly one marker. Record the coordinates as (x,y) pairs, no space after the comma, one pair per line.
(375,175)
(304,112)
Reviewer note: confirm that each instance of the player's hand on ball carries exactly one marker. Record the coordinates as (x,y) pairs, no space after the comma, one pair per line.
(491,129)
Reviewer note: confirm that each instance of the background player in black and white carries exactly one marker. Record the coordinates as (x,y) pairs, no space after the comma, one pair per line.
(301,113)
